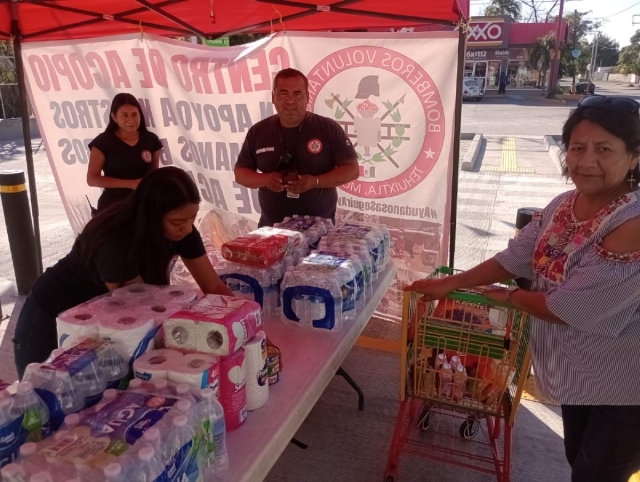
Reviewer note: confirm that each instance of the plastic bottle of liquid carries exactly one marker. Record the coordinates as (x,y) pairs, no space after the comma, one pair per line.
(70,399)
(31,459)
(153,438)
(180,434)
(14,473)
(445,387)
(70,422)
(150,467)
(161,387)
(441,359)
(113,366)
(36,414)
(455,361)
(212,412)
(107,397)
(136,385)
(183,391)
(114,473)
(43,476)
(459,383)
(91,382)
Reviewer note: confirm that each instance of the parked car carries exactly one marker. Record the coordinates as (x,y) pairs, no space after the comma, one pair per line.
(471,89)
(581,87)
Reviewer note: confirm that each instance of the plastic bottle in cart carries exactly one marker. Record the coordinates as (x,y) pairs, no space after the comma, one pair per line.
(70,398)
(455,361)
(150,467)
(459,383)
(211,410)
(445,383)
(36,414)
(441,359)
(91,382)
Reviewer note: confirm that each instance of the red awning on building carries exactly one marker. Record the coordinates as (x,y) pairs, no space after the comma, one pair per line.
(73,19)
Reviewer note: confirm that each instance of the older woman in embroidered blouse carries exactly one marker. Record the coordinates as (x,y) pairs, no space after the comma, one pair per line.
(583,257)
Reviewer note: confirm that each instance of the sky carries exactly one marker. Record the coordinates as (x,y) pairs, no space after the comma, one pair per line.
(617,14)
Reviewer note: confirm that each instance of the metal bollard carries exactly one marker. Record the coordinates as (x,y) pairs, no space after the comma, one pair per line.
(15,205)
(524,217)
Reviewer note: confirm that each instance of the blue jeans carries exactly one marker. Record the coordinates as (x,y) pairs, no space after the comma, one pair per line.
(35,336)
(601,442)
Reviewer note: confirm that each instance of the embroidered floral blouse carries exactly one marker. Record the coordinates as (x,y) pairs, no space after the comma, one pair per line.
(595,358)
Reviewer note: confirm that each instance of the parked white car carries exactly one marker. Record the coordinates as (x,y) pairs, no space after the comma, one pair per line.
(471,89)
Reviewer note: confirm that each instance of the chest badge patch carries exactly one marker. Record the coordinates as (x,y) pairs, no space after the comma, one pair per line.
(314,146)
(146,156)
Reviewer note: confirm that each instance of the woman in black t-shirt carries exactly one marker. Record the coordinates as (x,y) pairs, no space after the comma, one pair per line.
(122,155)
(135,241)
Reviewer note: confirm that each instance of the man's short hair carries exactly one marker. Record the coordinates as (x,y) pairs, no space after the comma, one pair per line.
(290,74)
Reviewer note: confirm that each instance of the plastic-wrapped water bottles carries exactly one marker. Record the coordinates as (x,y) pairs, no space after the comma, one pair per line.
(27,404)
(212,414)
(360,279)
(113,366)
(91,382)
(71,400)
(300,285)
(311,227)
(150,468)
(380,231)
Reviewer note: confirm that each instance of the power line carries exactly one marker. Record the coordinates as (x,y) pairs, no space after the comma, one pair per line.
(622,11)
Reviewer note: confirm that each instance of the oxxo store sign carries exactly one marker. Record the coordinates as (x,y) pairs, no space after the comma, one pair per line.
(488,32)
(497,54)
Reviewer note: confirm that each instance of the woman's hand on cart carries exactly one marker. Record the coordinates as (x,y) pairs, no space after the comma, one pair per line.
(432,289)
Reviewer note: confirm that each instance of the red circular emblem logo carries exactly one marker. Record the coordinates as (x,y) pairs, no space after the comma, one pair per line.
(146,156)
(314,146)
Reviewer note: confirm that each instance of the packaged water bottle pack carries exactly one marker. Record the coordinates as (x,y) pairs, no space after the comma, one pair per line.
(381,231)
(215,324)
(312,227)
(357,268)
(74,379)
(375,239)
(261,285)
(262,247)
(369,246)
(147,433)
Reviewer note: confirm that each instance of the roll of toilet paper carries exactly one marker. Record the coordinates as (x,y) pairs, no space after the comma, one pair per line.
(128,332)
(256,362)
(140,293)
(198,371)
(77,323)
(180,333)
(180,295)
(233,390)
(108,304)
(155,364)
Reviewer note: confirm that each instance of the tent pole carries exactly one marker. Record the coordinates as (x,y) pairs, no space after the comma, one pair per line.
(456,145)
(26,132)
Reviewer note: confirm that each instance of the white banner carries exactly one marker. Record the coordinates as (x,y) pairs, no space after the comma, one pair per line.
(201,101)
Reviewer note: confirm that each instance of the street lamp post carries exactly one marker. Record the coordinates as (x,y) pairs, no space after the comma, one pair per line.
(555,68)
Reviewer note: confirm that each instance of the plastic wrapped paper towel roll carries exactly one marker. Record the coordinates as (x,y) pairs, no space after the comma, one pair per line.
(128,332)
(256,360)
(155,364)
(77,323)
(198,371)
(233,390)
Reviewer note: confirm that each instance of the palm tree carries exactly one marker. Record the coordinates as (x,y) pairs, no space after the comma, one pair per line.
(540,56)
(499,8)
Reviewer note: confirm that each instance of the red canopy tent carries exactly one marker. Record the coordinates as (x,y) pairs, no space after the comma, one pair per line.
(37,20)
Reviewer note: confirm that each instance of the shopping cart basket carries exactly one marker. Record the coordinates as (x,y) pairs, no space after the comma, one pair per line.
(454,415)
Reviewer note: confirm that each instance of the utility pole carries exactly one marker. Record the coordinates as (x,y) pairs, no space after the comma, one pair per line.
(595,56)
(575,40)
(593,49)
(555,66)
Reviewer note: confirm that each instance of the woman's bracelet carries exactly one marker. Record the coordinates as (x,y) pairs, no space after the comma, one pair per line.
(317,181)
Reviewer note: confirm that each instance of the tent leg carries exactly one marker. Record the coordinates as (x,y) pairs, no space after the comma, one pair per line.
(456,145)
(26,132)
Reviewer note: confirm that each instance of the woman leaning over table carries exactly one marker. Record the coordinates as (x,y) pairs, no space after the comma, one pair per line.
(583,257)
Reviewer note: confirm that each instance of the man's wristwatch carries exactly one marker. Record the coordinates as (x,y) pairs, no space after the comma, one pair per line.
(510,292)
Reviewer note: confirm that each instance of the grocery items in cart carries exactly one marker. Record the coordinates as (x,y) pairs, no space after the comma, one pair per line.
(262,247)
(313,298)
(261,285)
(215,324)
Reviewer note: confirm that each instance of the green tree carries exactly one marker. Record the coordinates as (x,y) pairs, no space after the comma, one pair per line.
(540,54)
(498,8)
(608,51)
(629,59)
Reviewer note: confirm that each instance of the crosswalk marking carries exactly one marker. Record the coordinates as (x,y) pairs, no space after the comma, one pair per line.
(509,159)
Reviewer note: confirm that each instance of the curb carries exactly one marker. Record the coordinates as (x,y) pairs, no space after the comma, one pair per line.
(472,155)
(555,153)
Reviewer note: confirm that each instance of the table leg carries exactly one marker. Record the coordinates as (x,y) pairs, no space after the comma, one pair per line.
(355,386)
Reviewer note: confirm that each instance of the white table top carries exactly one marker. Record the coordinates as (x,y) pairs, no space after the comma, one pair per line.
(311,360)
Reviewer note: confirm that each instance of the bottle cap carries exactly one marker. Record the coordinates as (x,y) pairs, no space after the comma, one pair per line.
(112,470)
(28,449)
(147,453)
(160,384)
(446,366)
(25,387)
(180,421)
(152,434)
(460,369)
(12,471)
(184,406)
(182,389)
(207,393)
(72,420)
(60,434)
(110,394)
(41,477)
(135,383)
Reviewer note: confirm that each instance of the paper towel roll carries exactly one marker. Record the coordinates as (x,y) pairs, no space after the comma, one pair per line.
(179,333)
(256,361)
(77,323)
(126,331)
(198,371)
(233,393)
(155,364)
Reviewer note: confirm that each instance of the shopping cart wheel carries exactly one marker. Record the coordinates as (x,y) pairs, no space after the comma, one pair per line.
(424,420)
(469,429)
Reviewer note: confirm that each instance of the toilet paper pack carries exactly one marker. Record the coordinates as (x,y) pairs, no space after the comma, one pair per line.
(262,247)
(155,364)
(132,333)
(217,325)
(197,370)
(77,323)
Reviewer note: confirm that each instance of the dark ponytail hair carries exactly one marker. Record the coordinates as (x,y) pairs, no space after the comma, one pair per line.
(140,218)
(118,101)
